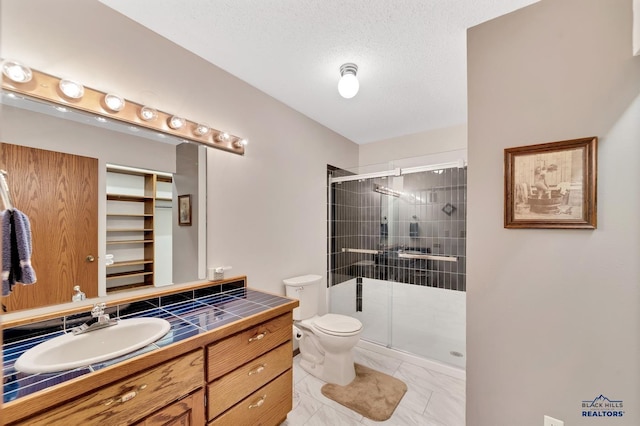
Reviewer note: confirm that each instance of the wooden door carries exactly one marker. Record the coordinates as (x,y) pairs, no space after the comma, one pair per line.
(59,194)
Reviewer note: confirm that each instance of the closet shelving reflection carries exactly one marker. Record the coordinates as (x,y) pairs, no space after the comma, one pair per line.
(132,195)
(4,191)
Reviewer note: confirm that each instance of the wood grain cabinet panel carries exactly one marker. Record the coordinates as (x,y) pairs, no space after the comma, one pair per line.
(266,407)
(188,411)
(234,351)
(231,388)
(126,401)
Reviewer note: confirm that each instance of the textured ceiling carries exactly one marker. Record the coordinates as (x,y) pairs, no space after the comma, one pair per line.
(411,54)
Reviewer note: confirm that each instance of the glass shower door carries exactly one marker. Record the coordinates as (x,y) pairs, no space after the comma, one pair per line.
(397,258)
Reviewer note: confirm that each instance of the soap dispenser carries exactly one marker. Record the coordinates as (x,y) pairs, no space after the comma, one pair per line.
(79,295)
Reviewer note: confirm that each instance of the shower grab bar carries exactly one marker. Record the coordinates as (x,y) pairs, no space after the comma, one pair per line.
(365,251)
(428,257)
(404,255)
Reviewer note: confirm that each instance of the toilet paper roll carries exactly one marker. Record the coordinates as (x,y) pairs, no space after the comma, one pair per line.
(297,333)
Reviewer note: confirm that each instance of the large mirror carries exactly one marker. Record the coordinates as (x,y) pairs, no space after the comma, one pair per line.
(72,172)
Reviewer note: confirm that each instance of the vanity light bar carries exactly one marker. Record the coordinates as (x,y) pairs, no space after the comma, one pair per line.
(47,87)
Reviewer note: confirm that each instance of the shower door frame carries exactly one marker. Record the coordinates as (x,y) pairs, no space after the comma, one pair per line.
(395,172)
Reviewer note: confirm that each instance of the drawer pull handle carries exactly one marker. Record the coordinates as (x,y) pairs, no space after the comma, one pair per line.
(258,337)
(258,403)
(126,397)
(258,370)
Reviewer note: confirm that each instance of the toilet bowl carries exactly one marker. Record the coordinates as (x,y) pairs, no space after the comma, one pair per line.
(326,342)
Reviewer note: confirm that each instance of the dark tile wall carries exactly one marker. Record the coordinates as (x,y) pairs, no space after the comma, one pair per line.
(428,216)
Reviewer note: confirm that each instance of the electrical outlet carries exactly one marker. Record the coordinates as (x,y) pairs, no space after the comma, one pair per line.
(550,421)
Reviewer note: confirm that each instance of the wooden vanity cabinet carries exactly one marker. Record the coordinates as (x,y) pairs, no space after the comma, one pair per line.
(237,374)
(250,375)
(131,399)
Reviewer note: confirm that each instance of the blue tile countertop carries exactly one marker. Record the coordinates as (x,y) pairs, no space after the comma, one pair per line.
(190,313)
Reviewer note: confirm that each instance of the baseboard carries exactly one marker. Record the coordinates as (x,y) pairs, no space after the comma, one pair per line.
(449,370)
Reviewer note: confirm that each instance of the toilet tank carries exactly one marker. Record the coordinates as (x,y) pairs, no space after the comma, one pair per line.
(304,288)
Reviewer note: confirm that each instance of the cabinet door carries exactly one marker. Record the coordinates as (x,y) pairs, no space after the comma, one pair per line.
(128,400)
(268,406)
(236,385)
(230,353)
(188,411)
(59,194)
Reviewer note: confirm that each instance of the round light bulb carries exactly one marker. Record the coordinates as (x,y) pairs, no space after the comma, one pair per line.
(176,122)
(71,89)
(16,72)
(239,143)
(348,85)
(148,113)
(114,102)
(201,129)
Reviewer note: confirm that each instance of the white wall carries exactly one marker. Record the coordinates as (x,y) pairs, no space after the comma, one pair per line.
(266,210)
(186,238)
(636,27)
(553,316)
(414,145)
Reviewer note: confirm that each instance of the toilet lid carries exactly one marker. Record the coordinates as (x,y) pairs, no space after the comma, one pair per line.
(335,323)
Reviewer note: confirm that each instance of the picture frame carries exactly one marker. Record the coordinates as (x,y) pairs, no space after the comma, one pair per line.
(551,185)
(184,210)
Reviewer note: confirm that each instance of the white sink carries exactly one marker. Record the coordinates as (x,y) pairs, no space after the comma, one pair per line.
(71,351)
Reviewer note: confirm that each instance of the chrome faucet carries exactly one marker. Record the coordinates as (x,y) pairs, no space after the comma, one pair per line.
(99,320)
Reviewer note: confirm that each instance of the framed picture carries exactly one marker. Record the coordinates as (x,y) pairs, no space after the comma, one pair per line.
(551,185)
(184,210)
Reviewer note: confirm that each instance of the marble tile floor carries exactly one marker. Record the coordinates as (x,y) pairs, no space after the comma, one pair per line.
(432,399)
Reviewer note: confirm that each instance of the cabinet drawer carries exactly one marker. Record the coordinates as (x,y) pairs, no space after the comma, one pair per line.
(234,351)
(233,387)
(134,398)
(188,411)
(267,406)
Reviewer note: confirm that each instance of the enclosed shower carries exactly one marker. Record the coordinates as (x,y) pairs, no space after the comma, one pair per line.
(396,256)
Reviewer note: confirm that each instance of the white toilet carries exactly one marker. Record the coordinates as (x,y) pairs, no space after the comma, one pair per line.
(327,341)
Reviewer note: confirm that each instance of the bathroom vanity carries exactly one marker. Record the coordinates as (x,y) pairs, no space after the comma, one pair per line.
(227,359)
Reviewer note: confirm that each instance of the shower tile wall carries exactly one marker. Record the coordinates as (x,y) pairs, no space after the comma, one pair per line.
(429,216)
(349,228)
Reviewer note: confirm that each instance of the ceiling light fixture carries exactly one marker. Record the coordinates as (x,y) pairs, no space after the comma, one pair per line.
(348,85)
(113,102)
(16,72)
(71,89)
